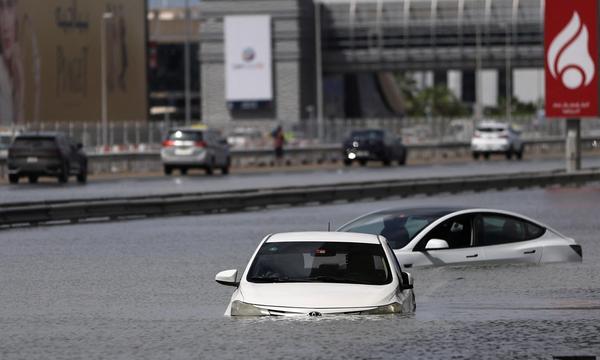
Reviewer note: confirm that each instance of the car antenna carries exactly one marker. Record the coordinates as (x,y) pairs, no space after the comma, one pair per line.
(329,226)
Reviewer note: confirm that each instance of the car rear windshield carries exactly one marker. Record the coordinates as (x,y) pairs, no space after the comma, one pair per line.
(491,129)
(367,134)
(34,143)
(185,135)
(320,262)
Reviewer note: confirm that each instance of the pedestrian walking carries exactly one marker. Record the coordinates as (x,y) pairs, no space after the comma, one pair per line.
(278,142)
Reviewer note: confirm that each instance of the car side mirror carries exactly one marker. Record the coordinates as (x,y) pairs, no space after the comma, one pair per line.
(223,142)
(227,278)
(436,244)
(407,281)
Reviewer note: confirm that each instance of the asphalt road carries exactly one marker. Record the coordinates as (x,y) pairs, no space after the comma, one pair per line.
(198,182)
(145,290)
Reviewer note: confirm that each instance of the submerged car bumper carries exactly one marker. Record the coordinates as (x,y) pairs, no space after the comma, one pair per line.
(239,308)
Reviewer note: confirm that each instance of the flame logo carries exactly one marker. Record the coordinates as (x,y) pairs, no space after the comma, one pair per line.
(568,57)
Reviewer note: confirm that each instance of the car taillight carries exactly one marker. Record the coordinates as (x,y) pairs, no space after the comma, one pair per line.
(476,135)
(168,143)
(200,144)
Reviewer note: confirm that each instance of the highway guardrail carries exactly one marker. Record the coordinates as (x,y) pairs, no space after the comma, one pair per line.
(106,209)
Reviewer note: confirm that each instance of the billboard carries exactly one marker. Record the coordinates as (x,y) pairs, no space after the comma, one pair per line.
(51,57)
(248,72)
(571,54)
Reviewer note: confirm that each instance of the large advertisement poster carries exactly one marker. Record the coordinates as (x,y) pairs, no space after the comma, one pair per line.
(248,74)
(571,44)
(50,60)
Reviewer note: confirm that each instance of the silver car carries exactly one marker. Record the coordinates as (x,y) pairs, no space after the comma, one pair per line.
(188,148)
(491,137)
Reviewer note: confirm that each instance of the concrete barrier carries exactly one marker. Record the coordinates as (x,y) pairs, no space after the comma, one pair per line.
(65,211)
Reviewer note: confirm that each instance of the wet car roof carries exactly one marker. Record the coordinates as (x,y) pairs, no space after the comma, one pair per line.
(420,211)
(323,236)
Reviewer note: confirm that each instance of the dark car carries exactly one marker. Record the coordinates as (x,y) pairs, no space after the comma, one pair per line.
(373,144)
(46,154)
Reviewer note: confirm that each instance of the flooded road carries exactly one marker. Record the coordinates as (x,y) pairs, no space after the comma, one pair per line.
(145,289)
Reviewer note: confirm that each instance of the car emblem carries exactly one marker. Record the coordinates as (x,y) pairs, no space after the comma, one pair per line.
(314,313)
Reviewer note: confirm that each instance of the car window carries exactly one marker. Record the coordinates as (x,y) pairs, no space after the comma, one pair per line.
(5,141)
(495,229)
(184,135)
(320,262)
(398,229)
(367,134)
(455,231)
(34,143)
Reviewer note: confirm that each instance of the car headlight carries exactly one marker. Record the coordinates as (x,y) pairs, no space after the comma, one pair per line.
(393,308)
(240,308)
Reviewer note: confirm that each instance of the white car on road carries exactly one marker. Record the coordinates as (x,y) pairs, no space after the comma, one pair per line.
(458,236)
(491,137)
(320,273)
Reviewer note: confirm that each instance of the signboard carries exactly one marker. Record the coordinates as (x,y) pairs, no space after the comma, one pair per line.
(50,60)
(248,73)
(571,54)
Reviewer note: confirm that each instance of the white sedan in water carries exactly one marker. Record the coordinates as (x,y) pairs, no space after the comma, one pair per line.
(320,273)
(459,236)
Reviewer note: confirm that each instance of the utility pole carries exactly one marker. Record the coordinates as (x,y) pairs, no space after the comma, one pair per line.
(319,72)
(104,91)
(187,70)
(573,145)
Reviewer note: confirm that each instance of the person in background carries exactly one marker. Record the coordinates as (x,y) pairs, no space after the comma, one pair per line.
(278,142)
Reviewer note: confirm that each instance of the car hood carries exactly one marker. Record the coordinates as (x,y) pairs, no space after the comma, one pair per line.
(318,295)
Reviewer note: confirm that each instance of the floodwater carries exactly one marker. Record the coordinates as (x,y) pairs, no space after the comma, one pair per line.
(145,289)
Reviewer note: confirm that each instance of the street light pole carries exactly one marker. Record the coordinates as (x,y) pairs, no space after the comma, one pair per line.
(319,72)
(105,17)
(187,70)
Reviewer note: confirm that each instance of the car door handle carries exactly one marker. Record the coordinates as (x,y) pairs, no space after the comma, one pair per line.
(473,256)
(529,252)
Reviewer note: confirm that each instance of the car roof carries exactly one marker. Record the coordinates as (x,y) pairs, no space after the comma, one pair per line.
(324,236)
(188,129)
(416,211)
(496,124)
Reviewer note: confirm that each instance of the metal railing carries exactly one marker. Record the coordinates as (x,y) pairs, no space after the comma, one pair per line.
(147,136)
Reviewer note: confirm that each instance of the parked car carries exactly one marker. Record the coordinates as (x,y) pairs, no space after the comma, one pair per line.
(319,273)
(373,144)
(46,154)
(455,236)
(188,148)
(493,137)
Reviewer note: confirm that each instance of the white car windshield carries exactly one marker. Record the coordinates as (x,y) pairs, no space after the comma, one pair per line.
(332,262)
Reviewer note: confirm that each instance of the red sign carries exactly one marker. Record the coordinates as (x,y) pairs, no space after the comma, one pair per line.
(571,54)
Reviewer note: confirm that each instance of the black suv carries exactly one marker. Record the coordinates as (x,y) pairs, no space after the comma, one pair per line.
(373,144)
(46,154)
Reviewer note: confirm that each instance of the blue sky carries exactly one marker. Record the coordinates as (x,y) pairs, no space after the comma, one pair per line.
(169,3)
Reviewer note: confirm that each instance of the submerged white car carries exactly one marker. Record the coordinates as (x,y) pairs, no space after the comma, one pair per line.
(458,236)
(320,273)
